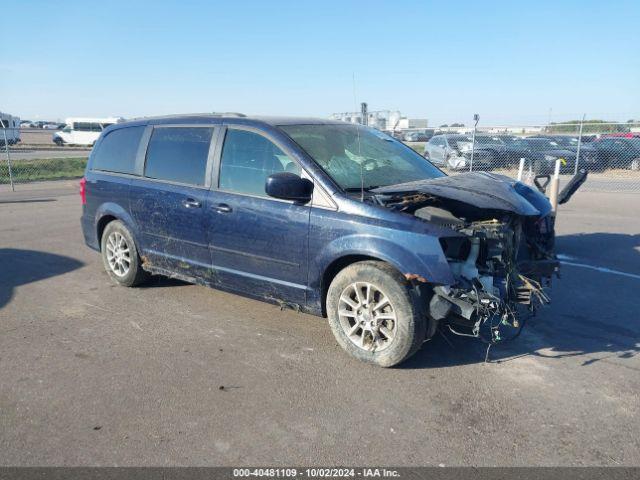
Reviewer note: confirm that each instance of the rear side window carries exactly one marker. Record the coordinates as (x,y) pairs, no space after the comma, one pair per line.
(248,159)
(117,151)
(178,154)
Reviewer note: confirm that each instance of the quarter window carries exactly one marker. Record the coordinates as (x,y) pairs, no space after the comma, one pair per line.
(178,154)
(117,151)
(248,159)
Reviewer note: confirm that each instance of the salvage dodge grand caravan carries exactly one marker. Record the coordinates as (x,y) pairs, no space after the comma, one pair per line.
(333,219)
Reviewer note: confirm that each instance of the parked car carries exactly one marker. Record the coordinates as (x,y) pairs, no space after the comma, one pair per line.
(622,134)
(588,153)
(325,217)
(50,126)
(82,131)
(618,152)
(542,154)
(506,139)
(453,151)
(9,129)
(418,136)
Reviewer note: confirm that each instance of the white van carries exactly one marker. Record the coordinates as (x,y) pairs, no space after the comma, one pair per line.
(11,127)
(83,131)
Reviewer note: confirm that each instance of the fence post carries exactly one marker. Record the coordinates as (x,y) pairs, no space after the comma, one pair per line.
(6,149)
(579,143)
(521,169)
(554,187)
(476,118)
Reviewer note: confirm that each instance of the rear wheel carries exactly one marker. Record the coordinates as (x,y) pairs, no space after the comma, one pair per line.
(120,255)
(373,315)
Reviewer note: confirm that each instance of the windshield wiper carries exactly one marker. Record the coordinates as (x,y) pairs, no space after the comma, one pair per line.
(359,189)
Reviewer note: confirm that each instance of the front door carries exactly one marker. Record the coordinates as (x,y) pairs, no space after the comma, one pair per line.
(168,202)
(258,244)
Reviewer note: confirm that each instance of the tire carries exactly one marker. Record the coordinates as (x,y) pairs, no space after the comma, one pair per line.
(128,271)
(542,168)
(397,339)
(59,142)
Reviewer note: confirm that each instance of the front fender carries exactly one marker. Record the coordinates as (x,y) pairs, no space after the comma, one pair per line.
(413,254)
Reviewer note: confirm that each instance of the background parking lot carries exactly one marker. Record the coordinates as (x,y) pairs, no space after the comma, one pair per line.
(177,374)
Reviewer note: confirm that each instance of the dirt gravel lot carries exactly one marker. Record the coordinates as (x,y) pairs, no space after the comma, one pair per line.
(95,374)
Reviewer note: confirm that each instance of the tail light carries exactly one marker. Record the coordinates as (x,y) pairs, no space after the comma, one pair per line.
(83,190)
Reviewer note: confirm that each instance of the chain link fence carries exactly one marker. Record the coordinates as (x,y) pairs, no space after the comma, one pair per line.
(610,152)
(29,155)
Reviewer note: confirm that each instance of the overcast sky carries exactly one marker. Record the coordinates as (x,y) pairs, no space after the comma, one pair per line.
(512,62)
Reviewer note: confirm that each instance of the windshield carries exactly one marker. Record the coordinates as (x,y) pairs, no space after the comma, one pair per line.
(541,143)
(566,141)
(455,141)
(486,140)
(347,152)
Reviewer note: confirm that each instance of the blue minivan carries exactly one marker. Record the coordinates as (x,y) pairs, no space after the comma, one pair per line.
(333,219)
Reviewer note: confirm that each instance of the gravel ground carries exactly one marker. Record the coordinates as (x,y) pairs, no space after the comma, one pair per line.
(177,374)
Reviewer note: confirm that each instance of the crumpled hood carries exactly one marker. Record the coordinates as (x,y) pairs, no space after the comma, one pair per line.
(481,190)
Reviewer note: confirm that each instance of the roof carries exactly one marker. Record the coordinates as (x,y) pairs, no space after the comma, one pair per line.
(216,118)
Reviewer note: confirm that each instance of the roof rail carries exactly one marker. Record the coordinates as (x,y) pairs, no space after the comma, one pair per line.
(229,114)
(204,114)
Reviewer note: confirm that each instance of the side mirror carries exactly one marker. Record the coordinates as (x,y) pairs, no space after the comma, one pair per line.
(289,186)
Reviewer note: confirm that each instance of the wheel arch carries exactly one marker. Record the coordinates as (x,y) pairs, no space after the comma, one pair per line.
(101,225)
(335,267)
(109,212)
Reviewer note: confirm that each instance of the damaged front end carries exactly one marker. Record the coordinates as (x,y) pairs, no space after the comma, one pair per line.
(499,247)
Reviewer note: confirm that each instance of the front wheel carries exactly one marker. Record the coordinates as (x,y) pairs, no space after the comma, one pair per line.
(120,255)
(373,315)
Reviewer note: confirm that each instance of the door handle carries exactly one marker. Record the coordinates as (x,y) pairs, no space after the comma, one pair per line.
(222,208)
(191,203)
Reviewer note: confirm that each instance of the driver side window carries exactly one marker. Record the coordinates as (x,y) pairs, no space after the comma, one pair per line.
(248,159)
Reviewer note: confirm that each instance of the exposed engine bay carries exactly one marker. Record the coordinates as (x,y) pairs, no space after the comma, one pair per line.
(499,247)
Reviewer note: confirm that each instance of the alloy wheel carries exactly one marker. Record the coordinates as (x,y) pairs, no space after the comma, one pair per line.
(118,254)
(367,316)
